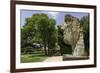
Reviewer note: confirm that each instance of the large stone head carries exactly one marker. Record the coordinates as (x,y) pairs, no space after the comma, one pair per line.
(71,29)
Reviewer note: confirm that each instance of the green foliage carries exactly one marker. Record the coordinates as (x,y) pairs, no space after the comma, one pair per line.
(52,34)
(85,23)
(64,48)
(39,29)
(85,26)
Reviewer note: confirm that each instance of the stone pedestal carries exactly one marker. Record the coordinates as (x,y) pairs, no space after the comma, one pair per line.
(67,57)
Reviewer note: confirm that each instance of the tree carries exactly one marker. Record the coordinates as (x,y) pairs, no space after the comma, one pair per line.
(39,28)
(43,29)
(85,26)
(60,38)
(52,36)
(27,34)
(48,32)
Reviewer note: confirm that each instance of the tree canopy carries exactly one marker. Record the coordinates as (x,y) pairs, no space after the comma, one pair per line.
(85,26)
(39,29)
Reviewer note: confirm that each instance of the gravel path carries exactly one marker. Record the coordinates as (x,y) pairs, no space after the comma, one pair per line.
(53,59)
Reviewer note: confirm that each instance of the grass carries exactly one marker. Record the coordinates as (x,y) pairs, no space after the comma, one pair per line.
(26,58)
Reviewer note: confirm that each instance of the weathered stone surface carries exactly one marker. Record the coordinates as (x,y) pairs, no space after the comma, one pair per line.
(79,49)
(72,35)
(71,29)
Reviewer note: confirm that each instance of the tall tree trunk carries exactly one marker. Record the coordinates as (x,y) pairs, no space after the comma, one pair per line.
(45,49)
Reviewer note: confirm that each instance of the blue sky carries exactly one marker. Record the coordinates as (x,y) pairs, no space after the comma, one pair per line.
(58,16)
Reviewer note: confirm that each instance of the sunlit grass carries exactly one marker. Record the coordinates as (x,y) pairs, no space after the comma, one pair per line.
(26,58)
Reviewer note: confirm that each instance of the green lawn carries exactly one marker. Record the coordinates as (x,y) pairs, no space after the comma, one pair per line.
(26,58)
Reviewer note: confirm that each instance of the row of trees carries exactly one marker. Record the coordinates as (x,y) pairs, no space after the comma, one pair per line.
(39,29)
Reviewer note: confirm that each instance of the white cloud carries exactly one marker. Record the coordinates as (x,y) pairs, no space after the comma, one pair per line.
(54,14)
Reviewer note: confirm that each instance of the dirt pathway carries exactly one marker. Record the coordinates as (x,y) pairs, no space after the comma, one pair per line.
(53,59)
